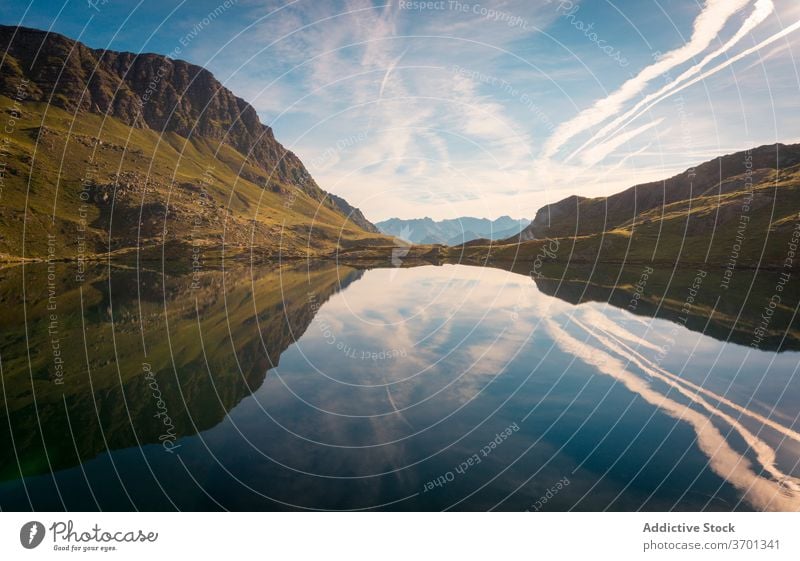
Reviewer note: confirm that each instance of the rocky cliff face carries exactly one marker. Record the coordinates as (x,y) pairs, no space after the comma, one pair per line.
(151,91)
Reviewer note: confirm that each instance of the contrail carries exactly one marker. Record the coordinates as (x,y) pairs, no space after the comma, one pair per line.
(389,71)
(707,27)
(762,9)
(385,80)
(781,34)
(599,152)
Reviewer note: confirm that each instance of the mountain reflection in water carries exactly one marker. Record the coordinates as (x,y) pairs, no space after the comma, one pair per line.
(319,386)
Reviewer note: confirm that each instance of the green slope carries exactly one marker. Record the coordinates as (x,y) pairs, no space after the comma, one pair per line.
(739,216)
(103,151)
(93,180)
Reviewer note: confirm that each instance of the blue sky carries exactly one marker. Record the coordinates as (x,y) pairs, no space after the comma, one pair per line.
(448,108)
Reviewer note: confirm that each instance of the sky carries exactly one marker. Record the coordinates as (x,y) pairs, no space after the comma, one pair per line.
(448,108)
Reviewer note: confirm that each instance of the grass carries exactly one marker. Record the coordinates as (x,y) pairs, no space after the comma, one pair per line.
(55,158)
(706,230)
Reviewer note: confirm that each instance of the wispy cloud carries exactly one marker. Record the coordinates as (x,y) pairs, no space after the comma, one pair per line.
(449,112)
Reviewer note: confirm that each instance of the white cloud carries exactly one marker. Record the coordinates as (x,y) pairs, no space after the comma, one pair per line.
(432,141)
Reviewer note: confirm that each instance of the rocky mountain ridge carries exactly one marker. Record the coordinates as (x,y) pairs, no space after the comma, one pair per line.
(154,92)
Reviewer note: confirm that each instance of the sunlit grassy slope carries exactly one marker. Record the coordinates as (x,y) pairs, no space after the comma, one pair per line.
(96,185)
(739,221)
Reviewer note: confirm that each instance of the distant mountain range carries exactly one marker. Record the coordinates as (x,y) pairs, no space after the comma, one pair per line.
(454,231)
(110,151)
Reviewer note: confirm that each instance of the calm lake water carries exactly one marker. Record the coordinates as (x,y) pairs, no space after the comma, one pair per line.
(319,386)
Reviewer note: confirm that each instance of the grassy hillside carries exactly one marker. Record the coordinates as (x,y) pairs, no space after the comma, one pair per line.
(104,151)
(746,218)
(96,185)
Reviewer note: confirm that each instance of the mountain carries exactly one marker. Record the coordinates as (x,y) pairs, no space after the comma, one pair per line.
(738,210)
(123,151)
(726,177)
(452,232)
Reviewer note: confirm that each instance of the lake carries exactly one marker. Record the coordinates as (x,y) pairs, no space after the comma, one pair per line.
(326,386)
